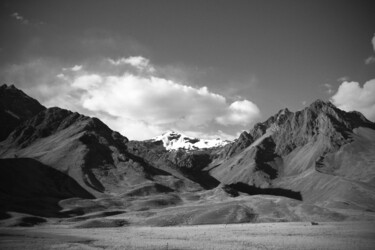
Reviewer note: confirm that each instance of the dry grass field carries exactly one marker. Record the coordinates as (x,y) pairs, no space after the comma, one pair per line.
(289,235)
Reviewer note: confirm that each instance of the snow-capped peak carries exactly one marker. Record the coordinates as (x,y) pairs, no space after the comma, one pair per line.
(173,141)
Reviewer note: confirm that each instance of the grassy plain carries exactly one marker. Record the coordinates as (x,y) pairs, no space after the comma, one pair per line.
(285,235)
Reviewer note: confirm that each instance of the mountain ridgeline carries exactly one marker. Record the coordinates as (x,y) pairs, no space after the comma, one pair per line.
(60,160)
(15,107)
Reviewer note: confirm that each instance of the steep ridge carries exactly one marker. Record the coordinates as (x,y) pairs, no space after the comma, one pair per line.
(15,107)
(299,150)
(82,147)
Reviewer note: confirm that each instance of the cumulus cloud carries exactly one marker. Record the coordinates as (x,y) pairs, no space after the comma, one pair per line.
(133,129)
(151,99)
(137,62)
(87,81)
(351,96)
(239,113)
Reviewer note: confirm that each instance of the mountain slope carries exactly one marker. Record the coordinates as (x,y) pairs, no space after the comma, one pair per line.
(27,186)
(15,107)
(320,144)
(81,147)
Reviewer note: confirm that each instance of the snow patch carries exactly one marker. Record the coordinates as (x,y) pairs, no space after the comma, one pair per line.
(173,141)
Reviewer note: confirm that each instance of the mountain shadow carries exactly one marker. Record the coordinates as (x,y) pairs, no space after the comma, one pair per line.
(252,190)
(203,178)
(28,186)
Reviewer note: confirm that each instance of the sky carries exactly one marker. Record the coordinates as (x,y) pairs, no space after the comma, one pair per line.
(204,68)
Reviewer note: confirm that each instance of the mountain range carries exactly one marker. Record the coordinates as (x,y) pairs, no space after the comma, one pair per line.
(314,164)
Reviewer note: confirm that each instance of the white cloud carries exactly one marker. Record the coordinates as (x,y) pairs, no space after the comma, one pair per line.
(74,68)
(137,62)
(20,18)
(133,129)
(38,77)
(87,81)
(154,100)
(351,96)
(373,42)
(239,113)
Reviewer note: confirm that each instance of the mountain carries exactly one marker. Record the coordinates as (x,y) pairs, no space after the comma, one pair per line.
(59,144)
(82,147)
(15,107)
(173,141)
(322,152)
(314,164)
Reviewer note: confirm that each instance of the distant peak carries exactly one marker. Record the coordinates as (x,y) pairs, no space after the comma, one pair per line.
(284,111)
(173,141)
(322,106)
(321,103)
(5,86)
(317,101)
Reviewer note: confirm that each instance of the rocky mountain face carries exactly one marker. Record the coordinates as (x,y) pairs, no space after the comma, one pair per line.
(86,153)
(83,148)
(295,151)
(15,107)
(319,158)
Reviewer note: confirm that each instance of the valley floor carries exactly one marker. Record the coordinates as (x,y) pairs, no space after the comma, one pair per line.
(288,235)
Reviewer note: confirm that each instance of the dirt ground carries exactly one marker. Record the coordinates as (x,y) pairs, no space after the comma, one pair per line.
(290,235)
